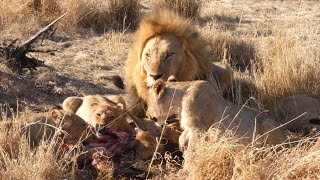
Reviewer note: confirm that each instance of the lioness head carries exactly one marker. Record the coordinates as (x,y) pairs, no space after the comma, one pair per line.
(161,57)
(162,103)
(105,113)
(75,127)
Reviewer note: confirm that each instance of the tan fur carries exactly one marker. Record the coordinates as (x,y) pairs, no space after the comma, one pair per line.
(148,142)
(199,106)
(43,126)
(291,107)
(174,47)
(100,110)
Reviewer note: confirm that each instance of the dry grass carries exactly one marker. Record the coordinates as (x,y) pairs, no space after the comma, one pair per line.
(101,15)
(19,160)
(97,15)
(290,67)
(31,165)
(278,42)
(237,52)
(220,156)
(187,8)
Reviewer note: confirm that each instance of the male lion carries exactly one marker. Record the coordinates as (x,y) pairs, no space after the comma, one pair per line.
(199,106)
(99,110)
(167,44)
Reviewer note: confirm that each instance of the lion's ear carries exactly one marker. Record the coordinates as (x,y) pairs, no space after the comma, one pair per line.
(121,106)
(56,114)
(158,87)
(72,104)
(94,104)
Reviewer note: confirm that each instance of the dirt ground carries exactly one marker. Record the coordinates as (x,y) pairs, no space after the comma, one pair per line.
(284,35)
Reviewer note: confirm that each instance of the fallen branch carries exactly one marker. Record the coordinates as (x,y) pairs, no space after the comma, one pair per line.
(15,56)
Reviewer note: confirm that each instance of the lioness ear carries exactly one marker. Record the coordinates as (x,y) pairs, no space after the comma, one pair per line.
(120,105)
(56,114)
(158,87)
(72,104)
(94,104)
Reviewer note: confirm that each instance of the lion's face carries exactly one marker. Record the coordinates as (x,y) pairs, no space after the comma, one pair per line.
(161,57)
(161,104)
(104,114)
(76,127)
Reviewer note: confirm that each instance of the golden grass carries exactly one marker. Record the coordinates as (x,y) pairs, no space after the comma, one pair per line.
(237,52)
(220,156)
(19,160)
(290,67)
(98,15)
(283,37)
(28,164)
(187,8)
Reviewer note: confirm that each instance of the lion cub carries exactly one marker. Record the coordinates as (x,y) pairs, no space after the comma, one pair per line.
(199,106)
(99,110)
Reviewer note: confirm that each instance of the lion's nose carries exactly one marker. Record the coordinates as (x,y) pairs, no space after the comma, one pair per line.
(157,76)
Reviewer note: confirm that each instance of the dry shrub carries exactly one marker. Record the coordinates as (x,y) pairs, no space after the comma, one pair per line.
(10,146)
(25,16)
(291,66)
(29,164)
(221,156)
(214,155)
(301,162)
(187,8)
(100,15)
(237,52)
(17,158)
(16,11)
(45,10)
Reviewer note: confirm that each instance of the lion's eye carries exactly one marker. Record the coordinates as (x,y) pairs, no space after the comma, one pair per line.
(98,114)
(148,55)
(169,55)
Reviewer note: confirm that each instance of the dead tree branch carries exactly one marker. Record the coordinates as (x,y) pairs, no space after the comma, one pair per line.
(15,56)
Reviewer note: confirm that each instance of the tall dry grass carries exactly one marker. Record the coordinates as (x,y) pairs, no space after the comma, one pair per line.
(281,35)
(20,159)
(290,67)
(22,17)
(239,53)
(100,15)
(221,156)
(187,8)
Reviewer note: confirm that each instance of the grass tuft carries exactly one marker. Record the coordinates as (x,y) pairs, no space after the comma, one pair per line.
(187,8)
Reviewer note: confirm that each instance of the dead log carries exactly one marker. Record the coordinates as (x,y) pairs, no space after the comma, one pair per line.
(15,56)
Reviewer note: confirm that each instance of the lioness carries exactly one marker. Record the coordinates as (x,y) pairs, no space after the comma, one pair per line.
(100,110)
(199,106)
(306,108)
(43,126)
